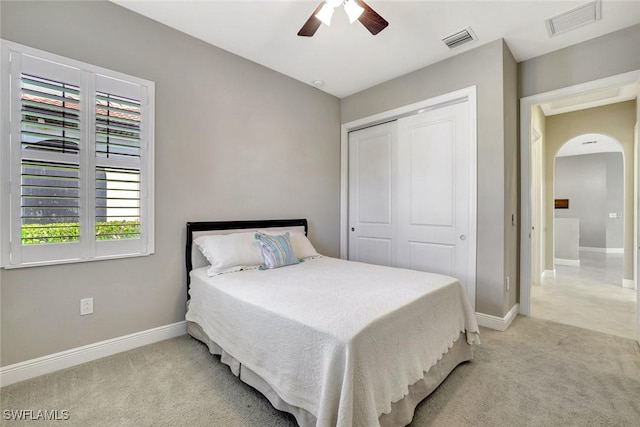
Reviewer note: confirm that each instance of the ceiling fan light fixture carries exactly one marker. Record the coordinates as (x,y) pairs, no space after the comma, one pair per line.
(325,14)
(353,10)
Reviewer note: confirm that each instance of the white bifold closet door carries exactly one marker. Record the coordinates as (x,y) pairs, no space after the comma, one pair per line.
(409,192)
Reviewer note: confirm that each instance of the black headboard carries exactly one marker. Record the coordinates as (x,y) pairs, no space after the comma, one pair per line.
(193,227)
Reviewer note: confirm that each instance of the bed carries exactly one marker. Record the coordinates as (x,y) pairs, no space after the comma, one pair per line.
(333,342)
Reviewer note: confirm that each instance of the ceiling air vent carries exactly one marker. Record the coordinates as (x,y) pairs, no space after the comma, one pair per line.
(574,18)
(459,38)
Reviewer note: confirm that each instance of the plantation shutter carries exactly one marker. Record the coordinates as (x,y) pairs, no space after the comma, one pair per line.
(79,175)
(120,154)
(50,189)
(46,187)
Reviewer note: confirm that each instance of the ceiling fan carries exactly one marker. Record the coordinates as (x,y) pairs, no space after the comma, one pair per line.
(355,9)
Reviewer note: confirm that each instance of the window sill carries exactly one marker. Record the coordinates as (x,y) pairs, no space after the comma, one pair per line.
(74,261)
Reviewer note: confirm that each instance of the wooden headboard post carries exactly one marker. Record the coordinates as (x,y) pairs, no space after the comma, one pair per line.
(193,227)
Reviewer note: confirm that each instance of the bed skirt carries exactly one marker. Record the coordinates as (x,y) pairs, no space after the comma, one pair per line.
(401,411)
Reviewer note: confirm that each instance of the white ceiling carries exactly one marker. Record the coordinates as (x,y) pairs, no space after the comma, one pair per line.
(347,58)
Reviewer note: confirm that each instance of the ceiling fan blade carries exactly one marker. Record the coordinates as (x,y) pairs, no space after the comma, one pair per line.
(371,20)
(311,26)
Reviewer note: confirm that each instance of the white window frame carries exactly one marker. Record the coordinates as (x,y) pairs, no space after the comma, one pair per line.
(13,254)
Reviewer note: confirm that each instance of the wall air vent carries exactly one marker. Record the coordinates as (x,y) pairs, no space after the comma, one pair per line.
(460,38)
(574,18)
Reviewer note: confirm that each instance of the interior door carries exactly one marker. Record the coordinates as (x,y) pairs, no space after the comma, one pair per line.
(434,190)
(371,186)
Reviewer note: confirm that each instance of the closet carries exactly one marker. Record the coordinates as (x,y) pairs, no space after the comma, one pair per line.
(411,193)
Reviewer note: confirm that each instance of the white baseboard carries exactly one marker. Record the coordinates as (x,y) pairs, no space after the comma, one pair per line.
(498,323)
(615,250)
(549,274)
(601,250)
(628,283)
(65,359)
(592,249)
(564,261)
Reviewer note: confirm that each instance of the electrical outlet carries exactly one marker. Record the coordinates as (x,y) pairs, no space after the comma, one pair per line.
(86,306)
(508,285)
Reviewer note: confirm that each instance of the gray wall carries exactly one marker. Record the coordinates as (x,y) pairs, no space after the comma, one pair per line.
(615,200)
(605,56)
(511,177)
(594,185)
(484,67)
(234,140)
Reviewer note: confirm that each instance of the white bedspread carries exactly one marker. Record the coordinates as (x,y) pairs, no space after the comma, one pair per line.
(341,339)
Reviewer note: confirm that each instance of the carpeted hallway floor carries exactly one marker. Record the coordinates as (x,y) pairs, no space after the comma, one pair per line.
(537,373)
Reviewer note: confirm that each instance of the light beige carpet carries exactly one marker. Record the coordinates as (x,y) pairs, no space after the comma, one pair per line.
(537,373)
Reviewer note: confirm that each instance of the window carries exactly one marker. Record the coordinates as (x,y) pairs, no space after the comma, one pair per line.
(76,161)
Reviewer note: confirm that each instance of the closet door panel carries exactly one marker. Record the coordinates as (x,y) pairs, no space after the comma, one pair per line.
(435,258)
(371,182)
(432,220)
(431,174)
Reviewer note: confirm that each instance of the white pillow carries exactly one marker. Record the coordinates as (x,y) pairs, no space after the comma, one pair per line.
(301,245)
(230,252)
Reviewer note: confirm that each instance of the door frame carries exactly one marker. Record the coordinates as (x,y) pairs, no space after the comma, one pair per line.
(537,217)
(525,170)
(469,95)
(636,214)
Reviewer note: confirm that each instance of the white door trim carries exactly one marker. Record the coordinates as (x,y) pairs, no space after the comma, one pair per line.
(537,220)
(525,167)
(468,94)
(636,217)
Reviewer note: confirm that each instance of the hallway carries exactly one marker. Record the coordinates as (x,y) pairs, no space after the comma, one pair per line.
(588,296)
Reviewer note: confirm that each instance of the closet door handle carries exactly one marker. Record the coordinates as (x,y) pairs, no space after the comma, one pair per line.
(353,229)
(463,237)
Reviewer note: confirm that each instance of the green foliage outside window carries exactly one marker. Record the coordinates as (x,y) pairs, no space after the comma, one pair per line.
(69,232)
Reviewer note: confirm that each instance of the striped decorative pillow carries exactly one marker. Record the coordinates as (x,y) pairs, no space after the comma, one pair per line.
(276,250)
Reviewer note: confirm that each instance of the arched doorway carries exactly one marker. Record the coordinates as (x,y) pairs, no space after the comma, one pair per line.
(587,240)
